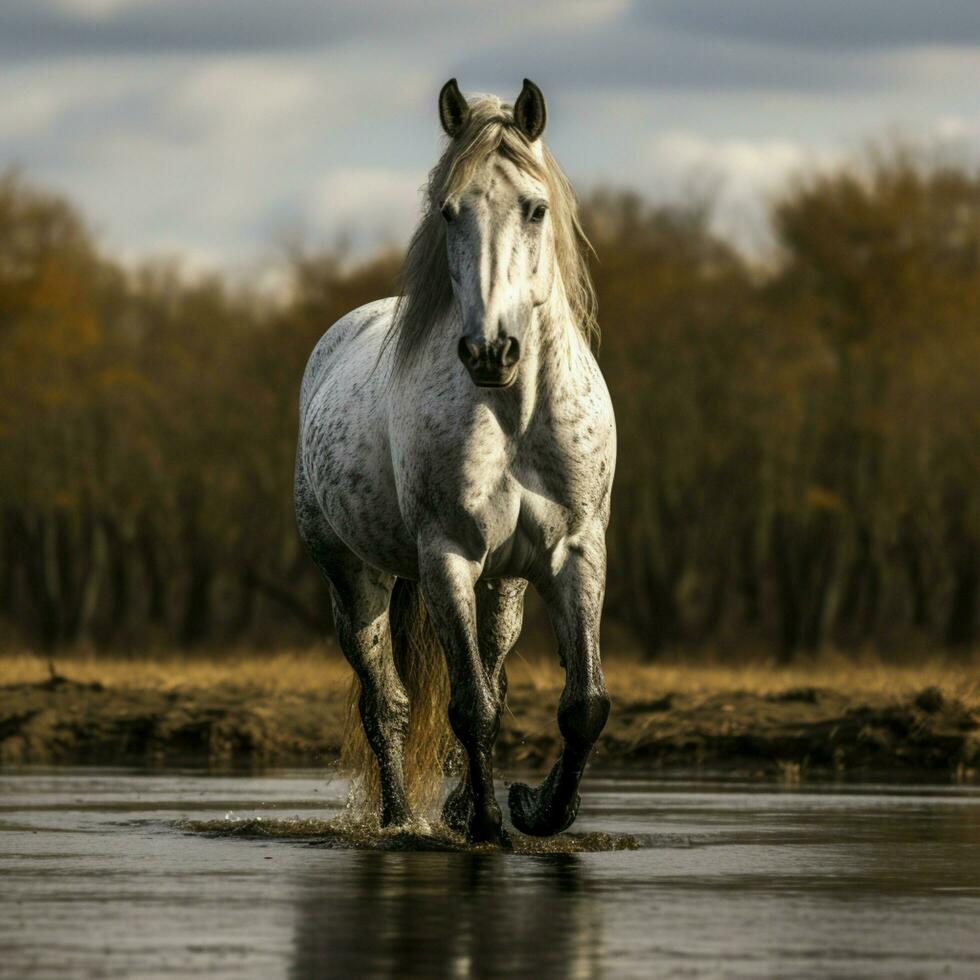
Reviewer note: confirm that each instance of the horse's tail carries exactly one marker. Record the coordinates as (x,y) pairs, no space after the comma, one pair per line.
(421,666)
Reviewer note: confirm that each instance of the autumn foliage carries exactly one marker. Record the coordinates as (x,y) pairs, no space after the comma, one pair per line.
(799,437)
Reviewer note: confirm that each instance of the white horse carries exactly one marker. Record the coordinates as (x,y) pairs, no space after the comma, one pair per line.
(460,440)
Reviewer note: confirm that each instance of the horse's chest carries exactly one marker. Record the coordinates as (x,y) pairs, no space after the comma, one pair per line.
(505,488)
(527,506)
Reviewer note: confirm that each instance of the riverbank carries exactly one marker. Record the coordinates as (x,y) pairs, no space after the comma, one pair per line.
(288,709)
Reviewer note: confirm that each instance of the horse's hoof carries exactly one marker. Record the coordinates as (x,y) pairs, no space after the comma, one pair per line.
(395,816)
(497,838)
(533,812)
(457,811)
(487,827)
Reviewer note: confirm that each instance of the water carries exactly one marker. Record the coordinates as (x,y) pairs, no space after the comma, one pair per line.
(731,879)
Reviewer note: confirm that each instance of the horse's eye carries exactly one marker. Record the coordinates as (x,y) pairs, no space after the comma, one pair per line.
(537,215)
(448,212)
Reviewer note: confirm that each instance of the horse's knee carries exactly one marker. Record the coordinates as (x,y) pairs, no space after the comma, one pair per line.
(582,718)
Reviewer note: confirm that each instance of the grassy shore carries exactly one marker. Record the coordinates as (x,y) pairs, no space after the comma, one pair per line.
(253,708)
(324,669)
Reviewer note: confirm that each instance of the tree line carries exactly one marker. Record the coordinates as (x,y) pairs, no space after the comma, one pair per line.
(799,438)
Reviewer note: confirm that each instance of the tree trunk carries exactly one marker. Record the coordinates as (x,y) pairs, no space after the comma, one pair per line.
(961,623)
(156,595)
(915,574)
(118,569)
(196,619)
(246,604)
(93,576)
(787,587)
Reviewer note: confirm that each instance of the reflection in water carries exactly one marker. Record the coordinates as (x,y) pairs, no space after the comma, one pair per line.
(452,915)
(134,875)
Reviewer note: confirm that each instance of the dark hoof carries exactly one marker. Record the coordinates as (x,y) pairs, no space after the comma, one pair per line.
(459,813)
(533,811)
(487,827)
(497,837)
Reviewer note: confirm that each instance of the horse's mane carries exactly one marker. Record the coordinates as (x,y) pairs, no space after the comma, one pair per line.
(426,291)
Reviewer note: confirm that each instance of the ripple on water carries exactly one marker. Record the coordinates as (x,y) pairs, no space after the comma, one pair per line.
(344,833)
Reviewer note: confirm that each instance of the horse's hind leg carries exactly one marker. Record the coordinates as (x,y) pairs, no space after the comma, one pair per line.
(360,608)
(361,596)
(499,615)
(574,601)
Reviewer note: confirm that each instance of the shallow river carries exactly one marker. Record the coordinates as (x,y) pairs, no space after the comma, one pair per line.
(99,877)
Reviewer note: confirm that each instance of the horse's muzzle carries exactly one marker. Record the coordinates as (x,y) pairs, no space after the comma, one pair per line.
(491,364)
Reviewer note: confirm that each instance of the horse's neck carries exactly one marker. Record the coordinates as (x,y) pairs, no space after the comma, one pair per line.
(550,352)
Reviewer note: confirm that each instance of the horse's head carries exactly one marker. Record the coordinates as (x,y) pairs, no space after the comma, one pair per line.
(499,240)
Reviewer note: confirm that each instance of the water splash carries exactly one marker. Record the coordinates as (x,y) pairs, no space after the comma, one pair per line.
(349,833)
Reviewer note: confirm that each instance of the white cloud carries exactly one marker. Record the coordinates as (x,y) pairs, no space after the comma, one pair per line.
(213,128)
(744,165)
(953,129)
(740,175)
(246,93)
(369,204)
(95,9)
(31,112)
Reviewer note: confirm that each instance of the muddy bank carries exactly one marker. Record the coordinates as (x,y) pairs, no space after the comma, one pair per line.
(790,732)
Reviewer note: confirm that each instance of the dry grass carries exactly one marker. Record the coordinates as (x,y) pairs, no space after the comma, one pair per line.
(285,671)
(628,679)
(867,675)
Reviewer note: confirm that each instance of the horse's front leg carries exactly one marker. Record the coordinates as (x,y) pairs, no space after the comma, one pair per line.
(574,599)
(499,615)
(447,581)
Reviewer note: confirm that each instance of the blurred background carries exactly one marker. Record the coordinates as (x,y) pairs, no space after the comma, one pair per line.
(784,199)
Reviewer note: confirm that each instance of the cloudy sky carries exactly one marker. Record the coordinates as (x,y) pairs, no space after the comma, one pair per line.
(218,128)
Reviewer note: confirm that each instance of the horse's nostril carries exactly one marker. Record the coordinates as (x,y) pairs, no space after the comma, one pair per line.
(469,353)
(510,351)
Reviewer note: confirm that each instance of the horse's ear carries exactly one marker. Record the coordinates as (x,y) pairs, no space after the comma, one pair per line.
(530,113)
(454,110)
